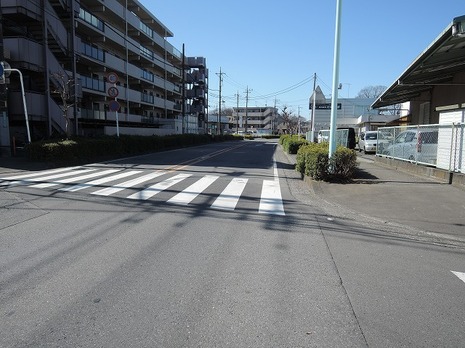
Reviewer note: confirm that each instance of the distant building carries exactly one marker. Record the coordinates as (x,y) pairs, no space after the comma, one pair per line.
(214,121)
(261,119)
(115,57)
(348,110)
(351,112)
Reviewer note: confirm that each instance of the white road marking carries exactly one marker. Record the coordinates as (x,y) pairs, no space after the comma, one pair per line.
(100,181)
(189,194)
(228,199)
(275,170)
(271,201)
(127,184)
(50,177)
(460,275)
(32,175)
(75,178)
(159,187)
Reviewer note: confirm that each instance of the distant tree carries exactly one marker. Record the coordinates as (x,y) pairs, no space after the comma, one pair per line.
(226,111)
(287,118)
(375,92)
(371,92)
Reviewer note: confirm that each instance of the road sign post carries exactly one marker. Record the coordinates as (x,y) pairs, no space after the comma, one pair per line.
(113,92)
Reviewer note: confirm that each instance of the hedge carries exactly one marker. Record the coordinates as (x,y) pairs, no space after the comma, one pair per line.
(312,160)
(90,149)
(292,143)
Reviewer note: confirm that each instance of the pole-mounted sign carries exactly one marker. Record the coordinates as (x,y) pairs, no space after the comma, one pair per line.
(113,93)
(112,78)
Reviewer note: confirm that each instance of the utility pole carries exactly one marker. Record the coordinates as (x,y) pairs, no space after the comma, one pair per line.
(247,91)
(183,90)
(274,116)
(312,133)
(298,119)
(218,131)
(237,111)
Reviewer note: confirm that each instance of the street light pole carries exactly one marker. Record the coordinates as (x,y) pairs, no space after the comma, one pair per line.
(24,101)
(337,39)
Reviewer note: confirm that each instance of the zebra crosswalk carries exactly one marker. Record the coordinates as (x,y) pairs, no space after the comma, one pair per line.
(138,184)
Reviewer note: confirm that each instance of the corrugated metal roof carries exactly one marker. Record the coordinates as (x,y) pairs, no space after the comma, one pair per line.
(435,66)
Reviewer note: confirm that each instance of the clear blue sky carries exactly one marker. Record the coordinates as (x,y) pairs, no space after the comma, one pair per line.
(271,46)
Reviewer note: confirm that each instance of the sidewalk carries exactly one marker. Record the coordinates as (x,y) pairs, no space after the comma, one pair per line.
(394,197)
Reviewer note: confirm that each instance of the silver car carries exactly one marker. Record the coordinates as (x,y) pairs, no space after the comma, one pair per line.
(419,145)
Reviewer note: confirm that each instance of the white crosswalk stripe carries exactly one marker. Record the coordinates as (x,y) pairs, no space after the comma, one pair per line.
(33,175)
(75,178)
(107,182)
(228,199)
(189,194)
(35,178)
(128,184)
(159,187)
(271,201)
(100,181)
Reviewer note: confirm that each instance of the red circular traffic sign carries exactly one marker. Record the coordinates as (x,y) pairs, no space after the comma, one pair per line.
(112,77)
(113,92)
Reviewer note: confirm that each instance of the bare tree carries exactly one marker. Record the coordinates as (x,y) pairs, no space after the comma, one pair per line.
(286,116)
(371,92)
(375,92)
(64,88)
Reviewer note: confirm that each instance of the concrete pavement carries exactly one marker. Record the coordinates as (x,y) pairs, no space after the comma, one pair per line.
(415,204)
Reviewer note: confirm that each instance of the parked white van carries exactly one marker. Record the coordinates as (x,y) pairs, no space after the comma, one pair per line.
(368,141)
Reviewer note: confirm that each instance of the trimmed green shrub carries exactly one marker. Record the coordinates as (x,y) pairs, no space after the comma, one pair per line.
(312,160)
(343,163)
(292,143)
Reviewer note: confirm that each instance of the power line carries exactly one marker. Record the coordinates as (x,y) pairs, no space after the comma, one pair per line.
(285,90)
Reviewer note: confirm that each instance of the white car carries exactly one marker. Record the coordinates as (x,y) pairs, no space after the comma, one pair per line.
(368,141)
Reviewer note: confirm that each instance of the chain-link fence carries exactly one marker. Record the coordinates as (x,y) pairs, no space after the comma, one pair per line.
(437,145)
(344,137)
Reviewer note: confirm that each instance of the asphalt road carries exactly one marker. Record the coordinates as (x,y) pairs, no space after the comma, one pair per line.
(213,246)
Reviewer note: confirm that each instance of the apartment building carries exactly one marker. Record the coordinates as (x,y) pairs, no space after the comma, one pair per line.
(94,67)
(251,119)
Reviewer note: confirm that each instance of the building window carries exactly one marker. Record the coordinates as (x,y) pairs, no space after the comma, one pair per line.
(92,51)
(93,83)
(146,52)
(147,98)
(147,75)
(91,19)
(145,29)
